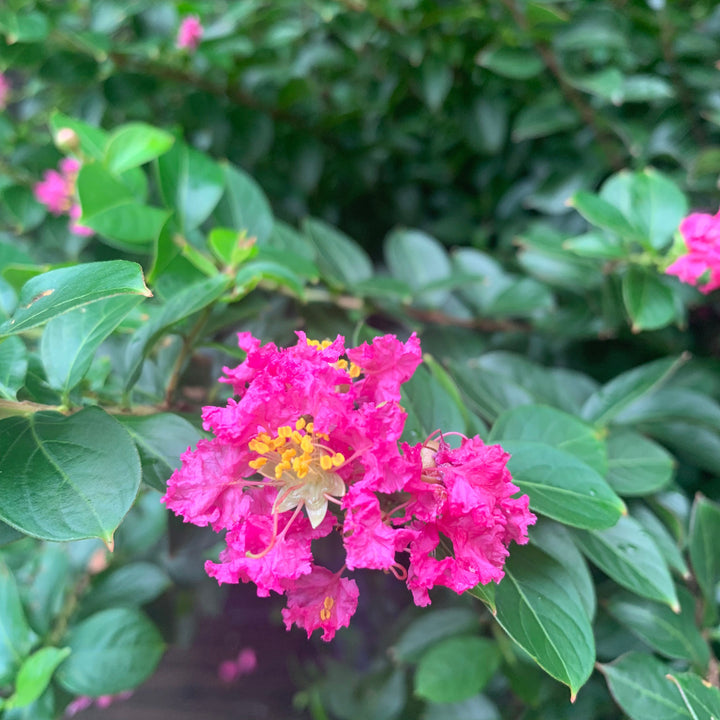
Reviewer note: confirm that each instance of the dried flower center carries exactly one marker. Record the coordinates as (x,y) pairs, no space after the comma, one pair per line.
(302,468)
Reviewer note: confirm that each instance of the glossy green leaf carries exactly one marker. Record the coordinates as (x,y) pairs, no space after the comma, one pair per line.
(46,592)
(601,213)
(513,63)
(112,651)
(160,439)
(673,403)
(34,675)
(638,683)
(557,541)
(191,183)
(69,341)
(418,260)
(636,465)
(244,206)
(649,301)
(131,585)
(540,609)
(603,405)
(341,260)
(544,424)
(543,119)
(255,271)
(67,478)
(188,301)
(667,544)
(704,542)
(628,554)
(13,366)
(674,635)
(16,637)
(22,209)
(562,487)
(130,224)
(474,708)
(456,669)
(135,144)
(58,291)
(694,443)
(701,700)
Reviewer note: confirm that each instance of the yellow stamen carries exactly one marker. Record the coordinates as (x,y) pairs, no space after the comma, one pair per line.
(306,445)
(326,462)
(324,614)
(257,464)
(338,459)
(285,431)
(300,424)
(328,602)
(355,370)
(258,447)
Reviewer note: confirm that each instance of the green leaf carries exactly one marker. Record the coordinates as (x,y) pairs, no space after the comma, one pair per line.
(112,651)
(637,466)
(703,544)
(135,144)
(631,558)
(24,211)
(456,669)
(187,302)
(69,341)
(341,260)
(513,63)
(67,478)
(638,683)
(562,487)
(13,367)
(603,405)
(131,585)
(649,302)
(255,271)
(418,260)
(46,592)
(34,675)
(16,637)
(698,445)
(601,213)
(160,439)
(58,291)
(429,406)
(474,708)
(701,700)
(437,80)
(191,183)
(430,628)
(129,224)
(673,403)
(556,540)
(666,543)
(674,635)
(244,206)
(540,609)
(546,117)
(544,424)
(595,244)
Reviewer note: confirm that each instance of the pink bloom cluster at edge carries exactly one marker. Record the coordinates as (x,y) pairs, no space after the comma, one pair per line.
(4,91)
(190,33)
(310,449)
(701,233)
(57,192)
(84,702)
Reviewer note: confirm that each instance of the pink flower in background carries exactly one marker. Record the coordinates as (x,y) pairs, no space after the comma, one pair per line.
(701,233)
(244,664)
(190,33)
(57,192)
(104,701)
(4,91)
(310,447)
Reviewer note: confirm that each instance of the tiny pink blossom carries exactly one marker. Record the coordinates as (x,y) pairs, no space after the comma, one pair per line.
(701,233)
(5,88)
(75,227)
(52,191)
(190,33)
(244,664)
(77,705)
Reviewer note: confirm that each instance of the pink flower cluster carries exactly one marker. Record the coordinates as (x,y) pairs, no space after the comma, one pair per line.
(311,450)
(57,192)
(190,33)
(701,233)
(104,701)
(4,91)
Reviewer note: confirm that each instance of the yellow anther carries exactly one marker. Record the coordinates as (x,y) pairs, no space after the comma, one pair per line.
(324,614)
(258,447)
(338,459)
(300,424)
(288,455)
(325,344)
(257,464)
(307,445)
(309,428)
(341,364)
(296,437)
(326,462)
(278,471)
(355,370)
(285,431)
(324,436)
(328,602)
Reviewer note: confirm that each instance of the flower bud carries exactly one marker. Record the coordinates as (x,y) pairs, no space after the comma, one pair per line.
(67,140)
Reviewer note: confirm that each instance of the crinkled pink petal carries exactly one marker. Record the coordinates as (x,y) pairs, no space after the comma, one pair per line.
(320,600)
(369,541)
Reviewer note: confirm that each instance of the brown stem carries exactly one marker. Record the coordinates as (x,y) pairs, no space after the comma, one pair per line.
(606,139)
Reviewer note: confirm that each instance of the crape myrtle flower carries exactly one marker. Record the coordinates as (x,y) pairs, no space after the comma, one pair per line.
(310,447)
(5,88)
(57,192)
(701,233)
(190,33)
